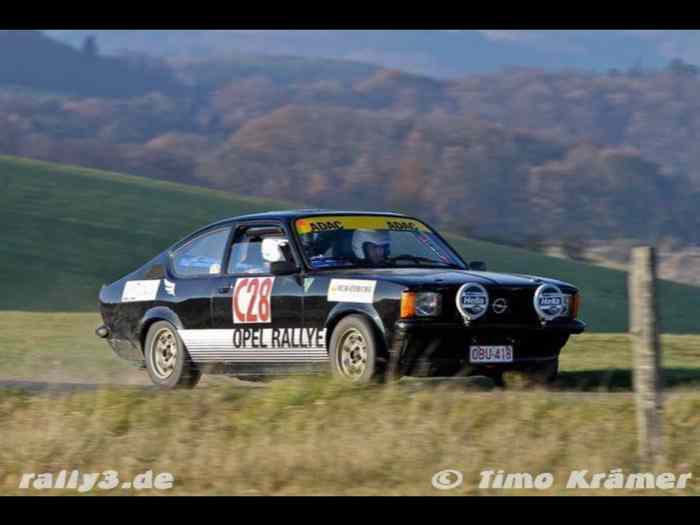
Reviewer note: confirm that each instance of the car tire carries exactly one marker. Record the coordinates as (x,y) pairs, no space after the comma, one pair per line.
(353,351)
(543,373)
(494,375)
(168,363)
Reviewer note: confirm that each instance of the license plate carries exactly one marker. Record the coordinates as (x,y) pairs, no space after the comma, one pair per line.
(490,354)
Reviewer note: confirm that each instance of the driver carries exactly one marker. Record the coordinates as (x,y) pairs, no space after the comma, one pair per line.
(372,246)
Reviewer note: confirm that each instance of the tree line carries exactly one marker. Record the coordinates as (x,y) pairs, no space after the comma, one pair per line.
(518,156)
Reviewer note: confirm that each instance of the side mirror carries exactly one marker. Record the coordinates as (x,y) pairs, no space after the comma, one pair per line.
(477,266)
(283,267)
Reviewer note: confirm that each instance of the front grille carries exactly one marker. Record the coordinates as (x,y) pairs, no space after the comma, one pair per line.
(519,307)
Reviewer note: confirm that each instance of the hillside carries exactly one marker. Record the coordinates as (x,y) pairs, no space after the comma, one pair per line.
(68,230)
(432,52)
(519,157)
(32,60)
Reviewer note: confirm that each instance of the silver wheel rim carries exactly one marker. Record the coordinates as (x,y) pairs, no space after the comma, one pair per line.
(164,353)
(352,358)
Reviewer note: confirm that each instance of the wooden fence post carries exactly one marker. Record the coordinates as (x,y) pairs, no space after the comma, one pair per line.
(648,379)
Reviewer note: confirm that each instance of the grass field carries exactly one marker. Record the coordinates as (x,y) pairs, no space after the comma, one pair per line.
(62,347)
(313,437)
(70,404)
(68,230)
(67,403)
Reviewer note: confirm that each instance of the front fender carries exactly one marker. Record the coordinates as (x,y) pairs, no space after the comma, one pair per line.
(341,310)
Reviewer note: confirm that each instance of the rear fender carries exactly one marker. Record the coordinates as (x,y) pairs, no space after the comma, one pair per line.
(153,315)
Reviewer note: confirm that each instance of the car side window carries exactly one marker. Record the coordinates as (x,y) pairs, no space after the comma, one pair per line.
(246,252)
(202,256)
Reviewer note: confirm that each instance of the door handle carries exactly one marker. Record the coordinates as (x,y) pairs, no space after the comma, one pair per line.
(227,289)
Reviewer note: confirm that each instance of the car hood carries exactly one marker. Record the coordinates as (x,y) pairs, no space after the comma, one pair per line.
(419,277)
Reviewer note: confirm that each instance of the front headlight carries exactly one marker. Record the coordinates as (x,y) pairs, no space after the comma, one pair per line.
(420,304)
(428,304)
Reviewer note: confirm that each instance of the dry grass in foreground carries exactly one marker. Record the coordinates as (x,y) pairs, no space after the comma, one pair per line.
(314,437)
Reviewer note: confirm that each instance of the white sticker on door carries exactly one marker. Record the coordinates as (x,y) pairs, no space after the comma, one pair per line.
(351,291)
(135,291)
(251,301)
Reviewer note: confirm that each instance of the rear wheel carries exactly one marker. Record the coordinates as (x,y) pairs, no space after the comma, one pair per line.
(167,361)
(353,351)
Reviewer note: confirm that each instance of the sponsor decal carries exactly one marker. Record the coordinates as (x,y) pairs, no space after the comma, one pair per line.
(354,222)
(324,226)
(251,300)
(351,291)
(169,287)
(308,281)
(135,291)
(256,345)
(472,301)
(402,225)
(549,302)
(278,338)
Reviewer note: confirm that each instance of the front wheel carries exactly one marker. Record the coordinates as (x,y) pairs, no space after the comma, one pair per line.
(353,351)
(496,376)
(167,361)
(543,373)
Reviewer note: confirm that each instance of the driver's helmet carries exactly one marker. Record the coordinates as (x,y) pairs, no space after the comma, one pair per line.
(362,238)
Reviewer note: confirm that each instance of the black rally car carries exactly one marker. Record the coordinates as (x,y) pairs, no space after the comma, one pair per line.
(366,295)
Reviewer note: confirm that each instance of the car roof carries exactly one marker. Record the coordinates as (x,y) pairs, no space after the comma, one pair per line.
(282,215)
(294,214)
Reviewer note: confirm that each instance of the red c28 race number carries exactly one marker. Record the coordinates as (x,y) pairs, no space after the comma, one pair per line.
(251,300)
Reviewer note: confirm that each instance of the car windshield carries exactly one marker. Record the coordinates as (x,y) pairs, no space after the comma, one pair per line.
(370,241)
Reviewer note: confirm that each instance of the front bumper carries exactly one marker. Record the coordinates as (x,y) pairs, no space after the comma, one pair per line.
(569,326)
(420,347)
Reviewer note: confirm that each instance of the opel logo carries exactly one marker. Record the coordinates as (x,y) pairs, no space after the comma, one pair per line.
(500,305)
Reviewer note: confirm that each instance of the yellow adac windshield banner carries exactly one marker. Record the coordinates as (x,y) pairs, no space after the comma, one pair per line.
(357,222)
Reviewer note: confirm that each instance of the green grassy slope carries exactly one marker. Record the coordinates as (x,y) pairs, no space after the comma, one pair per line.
(67,230)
